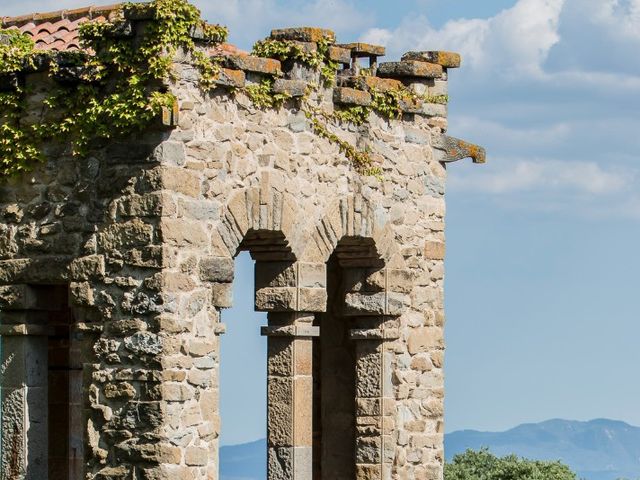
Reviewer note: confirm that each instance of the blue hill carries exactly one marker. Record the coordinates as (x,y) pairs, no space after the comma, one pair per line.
(597,450)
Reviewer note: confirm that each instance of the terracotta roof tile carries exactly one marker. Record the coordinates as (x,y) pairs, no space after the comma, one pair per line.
(58,30)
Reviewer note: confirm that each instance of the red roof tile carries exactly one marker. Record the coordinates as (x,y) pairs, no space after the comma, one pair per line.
(58,30)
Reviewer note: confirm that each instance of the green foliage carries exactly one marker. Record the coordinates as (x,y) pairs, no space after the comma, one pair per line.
(483,465)
(355,114)
(263,96)
(439,99)
(121,88)
(285,50)
(388,103)
(16,51)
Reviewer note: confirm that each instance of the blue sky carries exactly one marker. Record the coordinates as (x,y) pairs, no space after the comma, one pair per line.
(542,262)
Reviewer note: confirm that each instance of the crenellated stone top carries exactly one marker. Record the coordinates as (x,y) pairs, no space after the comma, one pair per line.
(423,74)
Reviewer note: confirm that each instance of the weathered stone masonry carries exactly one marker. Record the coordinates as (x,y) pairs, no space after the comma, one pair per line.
(114,270)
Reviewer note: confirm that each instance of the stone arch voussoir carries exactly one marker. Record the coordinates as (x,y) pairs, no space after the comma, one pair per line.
(263,220)
(353,216)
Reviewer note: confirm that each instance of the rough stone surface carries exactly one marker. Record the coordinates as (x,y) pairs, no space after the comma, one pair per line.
(410,68)
(364,49)
(351,96)
(446,59)
(141,236)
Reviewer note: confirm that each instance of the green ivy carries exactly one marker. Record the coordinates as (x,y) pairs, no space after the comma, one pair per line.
(121,88)
(263,96)
(284,50)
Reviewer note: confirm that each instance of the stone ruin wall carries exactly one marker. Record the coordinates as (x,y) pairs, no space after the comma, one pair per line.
(142,235)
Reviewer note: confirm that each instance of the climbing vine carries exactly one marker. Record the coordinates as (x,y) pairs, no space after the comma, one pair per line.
(284,50)
(119,87)
(389,103)
(121,84)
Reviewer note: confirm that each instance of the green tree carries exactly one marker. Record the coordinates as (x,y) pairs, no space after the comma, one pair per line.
(483,465)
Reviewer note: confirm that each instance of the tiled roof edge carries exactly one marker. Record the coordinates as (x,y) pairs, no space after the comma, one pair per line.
(90,13)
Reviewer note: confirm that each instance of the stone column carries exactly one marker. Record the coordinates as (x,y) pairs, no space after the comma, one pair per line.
(290,292)
(24,388)
(374,397)
(290,395)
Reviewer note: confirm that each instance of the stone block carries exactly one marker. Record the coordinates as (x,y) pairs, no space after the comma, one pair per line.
(410,68)
(351,96)
(302,411)
(294,88)
(196,456)
(182,233)
(303,34)
(371,83)
(275,274)
(312,300)
(365,303)
(250,63)
(340,54)
(360,49)
(434,250)
(280,463)
(222,295)
(216,269)
(180,180)
(170,152)
(231,78)
(278,299)
(280,411)
(313,275)
(445,59)
(84,268)
(425,339)
(155,204)
(125,235)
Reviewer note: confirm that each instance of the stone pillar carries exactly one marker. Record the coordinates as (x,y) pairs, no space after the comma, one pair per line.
(374,397)
(23,389)
(290,395)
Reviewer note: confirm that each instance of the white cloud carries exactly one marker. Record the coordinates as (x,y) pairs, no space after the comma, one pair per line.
(507,136)
(525,175)
(251,20)
(517,39)
(248,20)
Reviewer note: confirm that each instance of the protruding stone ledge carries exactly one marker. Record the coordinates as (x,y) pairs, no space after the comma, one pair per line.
(249,63)
(294,88)
(363,50)
(291,299)
(374,334)
(290,331)
(231,78)
(445,59)
(351,96)
(378,303)
(340,54)
(304,34)
(410,68)
(450,149)
(361,82)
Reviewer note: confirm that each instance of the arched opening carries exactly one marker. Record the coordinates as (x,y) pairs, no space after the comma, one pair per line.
(243,380)
(335,361)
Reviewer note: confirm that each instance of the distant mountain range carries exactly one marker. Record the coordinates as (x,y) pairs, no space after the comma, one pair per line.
(596,450)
